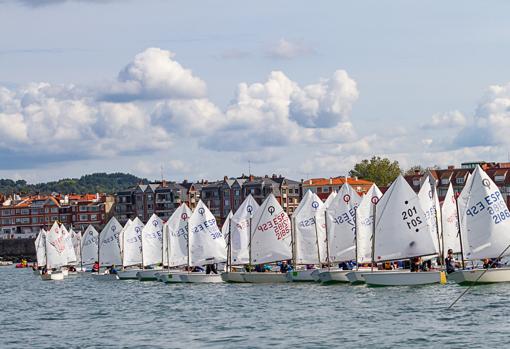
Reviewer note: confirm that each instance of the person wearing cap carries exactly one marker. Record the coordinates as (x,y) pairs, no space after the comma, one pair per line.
(450,262)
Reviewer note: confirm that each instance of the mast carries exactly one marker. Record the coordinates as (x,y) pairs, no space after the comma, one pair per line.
(459,232)
(122,245)
(249,248)
(356,238)
(98,251)
(141,241)
(189,249)
(373,237)
(317,240)
(81,253)
(293,239)
(229,246)
(327,239)
(439,244)
(168,248)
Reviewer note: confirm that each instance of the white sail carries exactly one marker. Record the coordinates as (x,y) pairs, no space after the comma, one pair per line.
(271,236)
(56,255)
(365,223)
(132,240)
(225,228)
(152,241)
(68,241)
(486,217)
(310,230)
(109,249)
(426,197)
(76,239)
(207,243)
(463,199)
(177,226)
(240,229)
(450,223)
(89,243)
(40,248)
(330,199)
(341,218)
(401,230)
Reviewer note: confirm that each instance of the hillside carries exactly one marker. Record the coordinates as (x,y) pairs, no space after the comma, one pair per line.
(93,183)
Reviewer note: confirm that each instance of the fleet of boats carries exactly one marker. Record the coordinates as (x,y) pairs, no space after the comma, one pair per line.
(320,242)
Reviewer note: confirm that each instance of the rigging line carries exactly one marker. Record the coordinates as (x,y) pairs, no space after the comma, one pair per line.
(479,277)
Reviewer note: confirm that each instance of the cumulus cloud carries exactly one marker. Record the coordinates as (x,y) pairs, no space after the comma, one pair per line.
(491,122)
(275,113)
(288,49)
(154,74)
(453,119)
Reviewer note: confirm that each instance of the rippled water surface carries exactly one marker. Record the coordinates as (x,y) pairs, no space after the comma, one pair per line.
(82,312)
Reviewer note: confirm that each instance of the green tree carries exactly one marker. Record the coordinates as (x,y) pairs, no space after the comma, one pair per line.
(380,171)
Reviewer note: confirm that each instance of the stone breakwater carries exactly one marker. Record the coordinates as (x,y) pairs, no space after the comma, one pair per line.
(15,249)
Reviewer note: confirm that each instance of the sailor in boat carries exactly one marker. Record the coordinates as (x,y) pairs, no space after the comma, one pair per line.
(211,268)
(285,267)
(95,267)
(450,262)
(415,264)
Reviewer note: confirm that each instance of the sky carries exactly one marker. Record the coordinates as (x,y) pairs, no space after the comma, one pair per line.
(204,89)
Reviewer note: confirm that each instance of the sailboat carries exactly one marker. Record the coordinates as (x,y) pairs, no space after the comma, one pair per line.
(206,245)
(450,223)
(309,237)
(89,243)
(69,251)
(131,242)
(401,232)
(341,234)
(56,257)
(76,239)
(270,241)
(152,249)
(108,249)
(364,230)
(40,250)
(175,232)
(484,229)
(239,239)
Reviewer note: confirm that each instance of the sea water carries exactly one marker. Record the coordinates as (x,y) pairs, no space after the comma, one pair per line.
(82,312)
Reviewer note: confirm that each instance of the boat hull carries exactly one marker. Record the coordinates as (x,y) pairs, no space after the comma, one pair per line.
(402,278)
(105,277)
(491,276)
(54,276)
(129,274)
(199,278)
(265,278)
(357,277)
(171,278)
(301,275)
(328,277)
(148,275)
(232,277)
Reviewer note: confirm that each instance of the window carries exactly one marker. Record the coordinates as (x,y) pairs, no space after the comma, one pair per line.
(227,202)
(237,192)
(296,191)
(6,221)
(319,190)
(54,218)
(499,178)
(6,212)
(93,208)
(83,217)
(149,197)
(445,181)
(25,211)
(25,220)
(83,208)
(416,182)
(93,217)
(325,190)
(460,180)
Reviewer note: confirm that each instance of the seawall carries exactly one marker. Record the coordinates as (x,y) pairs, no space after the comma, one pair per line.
(15,249)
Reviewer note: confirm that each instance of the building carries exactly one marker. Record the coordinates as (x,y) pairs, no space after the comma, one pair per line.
(144,200)
(23,217)
(324,186)
(442,178)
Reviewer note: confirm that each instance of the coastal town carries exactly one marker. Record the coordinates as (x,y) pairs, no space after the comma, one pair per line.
(22,216)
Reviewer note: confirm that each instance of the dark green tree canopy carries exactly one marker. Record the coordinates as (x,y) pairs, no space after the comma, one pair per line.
(381,171)
(94,183)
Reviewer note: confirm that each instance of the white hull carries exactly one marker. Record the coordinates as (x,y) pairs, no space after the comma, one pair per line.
(201,278)
(104,277)
(65,272)
(301,275)
(56,275)
(334,276)
(171,278)
(467,277)
(315,274)
(402,278)
(148,275)
(357,277)
(264,278)
(232,276)
(129,274)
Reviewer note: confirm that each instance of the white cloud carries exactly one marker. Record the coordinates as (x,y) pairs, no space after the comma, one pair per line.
(491,122)
(288,49)
(452,119)
(154,74)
